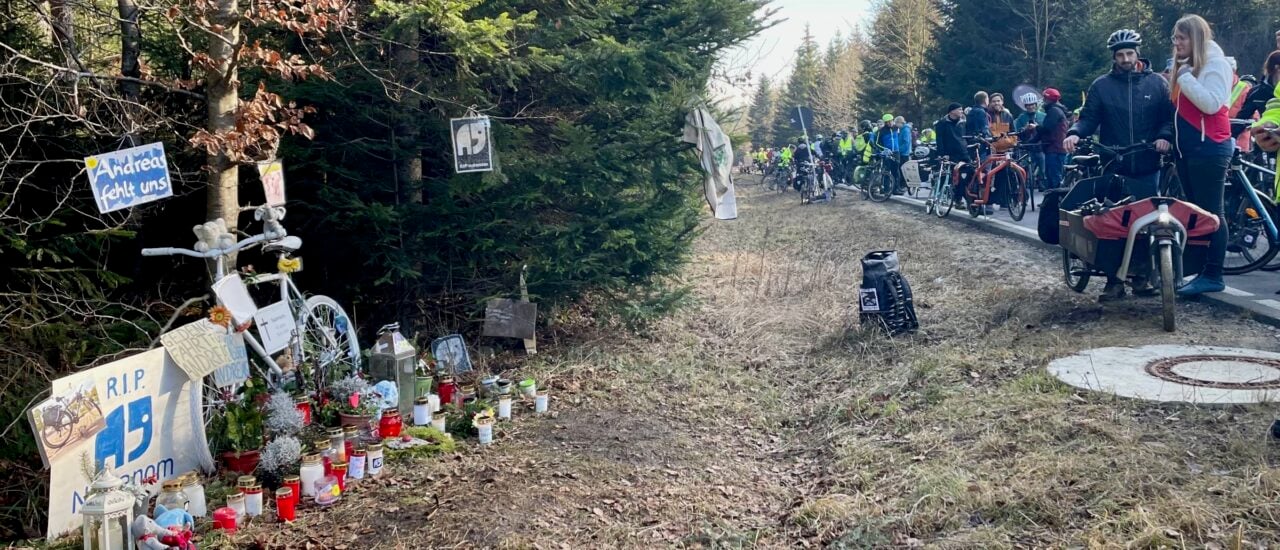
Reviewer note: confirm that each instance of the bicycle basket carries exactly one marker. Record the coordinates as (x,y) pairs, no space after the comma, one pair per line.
(1004,144)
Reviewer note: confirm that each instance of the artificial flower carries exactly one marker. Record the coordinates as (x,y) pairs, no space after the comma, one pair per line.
(289,265)
(220,316)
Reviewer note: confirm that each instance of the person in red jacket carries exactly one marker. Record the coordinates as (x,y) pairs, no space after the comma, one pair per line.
(1051,136)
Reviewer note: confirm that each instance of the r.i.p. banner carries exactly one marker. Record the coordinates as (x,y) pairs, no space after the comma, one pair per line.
(129,177)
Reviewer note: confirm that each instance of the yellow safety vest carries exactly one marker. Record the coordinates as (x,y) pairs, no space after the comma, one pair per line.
(846,145)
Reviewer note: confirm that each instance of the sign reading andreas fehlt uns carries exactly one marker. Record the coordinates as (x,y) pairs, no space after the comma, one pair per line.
(129,177)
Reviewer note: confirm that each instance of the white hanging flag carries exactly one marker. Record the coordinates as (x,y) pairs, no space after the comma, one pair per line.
(716,154)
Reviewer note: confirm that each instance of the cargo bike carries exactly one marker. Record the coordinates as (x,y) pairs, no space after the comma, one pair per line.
(1104,231)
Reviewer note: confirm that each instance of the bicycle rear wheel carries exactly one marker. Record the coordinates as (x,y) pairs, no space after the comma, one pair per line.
(329,341)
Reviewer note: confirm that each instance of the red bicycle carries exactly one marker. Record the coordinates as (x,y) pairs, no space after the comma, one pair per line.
(996,180)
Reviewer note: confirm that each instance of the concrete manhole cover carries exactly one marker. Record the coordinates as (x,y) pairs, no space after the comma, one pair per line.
(1192,374)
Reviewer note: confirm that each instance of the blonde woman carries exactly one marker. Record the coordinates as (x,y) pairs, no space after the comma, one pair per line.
(1201,90)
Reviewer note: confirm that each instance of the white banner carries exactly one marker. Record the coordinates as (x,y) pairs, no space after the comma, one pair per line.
(151,426)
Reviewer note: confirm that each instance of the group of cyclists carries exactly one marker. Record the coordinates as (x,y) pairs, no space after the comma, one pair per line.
(1183,112)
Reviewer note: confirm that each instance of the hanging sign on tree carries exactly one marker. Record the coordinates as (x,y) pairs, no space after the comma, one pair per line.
(272,176)
(472,145)
(129,177)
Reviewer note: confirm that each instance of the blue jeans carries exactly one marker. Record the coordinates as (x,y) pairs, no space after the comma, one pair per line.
(1053,163)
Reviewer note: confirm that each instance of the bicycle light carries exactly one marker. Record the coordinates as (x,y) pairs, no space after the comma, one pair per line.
(1165,218)
(1251,213)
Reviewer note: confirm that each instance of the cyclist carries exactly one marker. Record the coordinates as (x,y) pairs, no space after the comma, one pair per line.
(1050,135)
(1027,127)
(1266,132)
(802,157)
(1129,105)
(844,158)
(903,143)
(1256,102)
(1001,118)
(977,120)
(950,130)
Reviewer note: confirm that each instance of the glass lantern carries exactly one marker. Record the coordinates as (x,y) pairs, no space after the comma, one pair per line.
(108,514)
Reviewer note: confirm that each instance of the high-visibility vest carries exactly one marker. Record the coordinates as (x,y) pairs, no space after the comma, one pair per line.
(786,156)
(846,145)
(1236,94)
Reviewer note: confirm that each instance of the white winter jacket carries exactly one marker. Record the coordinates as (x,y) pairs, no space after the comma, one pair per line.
(1211,90)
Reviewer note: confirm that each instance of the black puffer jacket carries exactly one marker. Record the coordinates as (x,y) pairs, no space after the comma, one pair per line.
(1125,108)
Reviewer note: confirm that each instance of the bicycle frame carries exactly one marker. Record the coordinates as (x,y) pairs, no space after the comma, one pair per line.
(1167,230)
(986,174)
(1237,174)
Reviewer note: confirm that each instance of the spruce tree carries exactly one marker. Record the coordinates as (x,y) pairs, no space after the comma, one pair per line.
(760,114)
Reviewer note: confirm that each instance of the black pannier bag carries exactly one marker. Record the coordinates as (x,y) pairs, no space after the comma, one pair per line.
(885,296)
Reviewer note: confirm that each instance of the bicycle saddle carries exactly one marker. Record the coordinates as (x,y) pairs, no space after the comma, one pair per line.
(1087,160)
(287,244)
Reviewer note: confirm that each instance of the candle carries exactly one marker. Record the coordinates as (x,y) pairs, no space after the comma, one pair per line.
(350,436)
(198,507)
(338,444)
(252,500)
(446,390)
(374,459)
(355,469)
(286,506)
(311,472)
(504,407)
(437,422)
(485,428)
(225,518)
(303,404)
(246,481)
(295,484)
(236,502)
(390,424)
(340,472)
(434,401)
(326,454)
(541,402)
(421,412)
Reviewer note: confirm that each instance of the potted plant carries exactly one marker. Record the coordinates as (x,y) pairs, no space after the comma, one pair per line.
(354,401)
(238,431)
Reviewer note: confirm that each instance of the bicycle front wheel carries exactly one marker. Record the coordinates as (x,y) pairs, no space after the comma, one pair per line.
(1249,244)
(944,197)
(881,185)
(329,340)
(1016,187)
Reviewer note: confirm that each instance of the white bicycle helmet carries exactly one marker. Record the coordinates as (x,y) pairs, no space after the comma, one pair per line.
(1029,98)
(1124,39)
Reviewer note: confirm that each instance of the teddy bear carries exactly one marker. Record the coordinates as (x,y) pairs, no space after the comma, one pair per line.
(151,536)
(212,235)
(177,518)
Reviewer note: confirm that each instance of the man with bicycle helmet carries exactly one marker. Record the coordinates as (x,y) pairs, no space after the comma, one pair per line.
(1027,127)
(1126,106)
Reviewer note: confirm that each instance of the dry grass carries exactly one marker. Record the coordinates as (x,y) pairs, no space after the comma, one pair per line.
(765,416)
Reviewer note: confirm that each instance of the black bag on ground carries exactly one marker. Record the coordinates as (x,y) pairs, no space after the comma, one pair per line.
(1047,224)
(885,297)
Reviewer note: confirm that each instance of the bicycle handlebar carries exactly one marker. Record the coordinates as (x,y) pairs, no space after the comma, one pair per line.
(211,253)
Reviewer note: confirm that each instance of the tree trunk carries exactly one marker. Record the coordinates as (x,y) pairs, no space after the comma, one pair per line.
(222,100)
(409,166)
(130,46)
(62,20)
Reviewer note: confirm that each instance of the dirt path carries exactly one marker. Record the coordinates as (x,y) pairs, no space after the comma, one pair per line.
(763,416)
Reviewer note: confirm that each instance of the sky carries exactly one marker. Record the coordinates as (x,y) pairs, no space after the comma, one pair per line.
(771,52)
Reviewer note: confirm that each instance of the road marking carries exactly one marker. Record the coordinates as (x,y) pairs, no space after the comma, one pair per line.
(1269,303)
(1236,292)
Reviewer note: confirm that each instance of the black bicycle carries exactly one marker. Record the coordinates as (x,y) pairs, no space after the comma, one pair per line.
(882,180)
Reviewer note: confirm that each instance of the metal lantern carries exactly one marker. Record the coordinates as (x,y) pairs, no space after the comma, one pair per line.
(108,514)
(394,359)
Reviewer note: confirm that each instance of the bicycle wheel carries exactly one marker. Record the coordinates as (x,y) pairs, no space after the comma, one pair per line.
(881,185)
(1249,245)
(1166,287)
(1016,194)
(945,197)
(1075,272)
(59,433)
(329,341)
